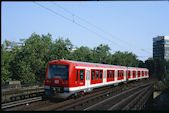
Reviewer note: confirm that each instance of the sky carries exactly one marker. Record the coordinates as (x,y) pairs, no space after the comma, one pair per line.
(124,26)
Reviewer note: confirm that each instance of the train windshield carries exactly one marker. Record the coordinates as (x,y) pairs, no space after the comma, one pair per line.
(58,71)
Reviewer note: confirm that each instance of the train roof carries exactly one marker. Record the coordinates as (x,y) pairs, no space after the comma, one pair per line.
(98,64)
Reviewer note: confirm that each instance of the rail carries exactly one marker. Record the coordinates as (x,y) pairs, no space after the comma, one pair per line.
(95,97)
(20,102)
(116,100)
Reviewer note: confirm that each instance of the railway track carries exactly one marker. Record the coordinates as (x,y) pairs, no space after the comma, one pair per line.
(20,94)
(118,102)
(82,102)
(98,101)
(65,105)
(20,102)
(51,104)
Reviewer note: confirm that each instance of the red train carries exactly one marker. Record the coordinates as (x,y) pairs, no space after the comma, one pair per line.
(65,78)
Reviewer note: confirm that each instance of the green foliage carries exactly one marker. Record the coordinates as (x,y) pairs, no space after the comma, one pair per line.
(28,63)
(5,59)
(124,59)
(60,49)
(149,63)
(25,73)
(100,53)
(158,68)
(82,54)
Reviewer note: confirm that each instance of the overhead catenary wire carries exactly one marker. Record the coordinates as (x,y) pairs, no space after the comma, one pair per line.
(82,26)
(98,27)
(73,21)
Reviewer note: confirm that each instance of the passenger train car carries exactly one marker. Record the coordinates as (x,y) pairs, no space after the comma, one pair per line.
(65,78)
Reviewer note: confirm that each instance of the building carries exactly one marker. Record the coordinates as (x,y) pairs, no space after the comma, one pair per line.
(12,44)
(73,49)
(161,47)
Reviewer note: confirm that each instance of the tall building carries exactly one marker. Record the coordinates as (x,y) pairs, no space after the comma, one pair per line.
(161,47)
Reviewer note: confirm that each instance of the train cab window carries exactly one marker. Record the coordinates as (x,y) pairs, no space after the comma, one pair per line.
(93,74)
(101,74)
(77,75)
(58,71)
(81,75)
(97,74)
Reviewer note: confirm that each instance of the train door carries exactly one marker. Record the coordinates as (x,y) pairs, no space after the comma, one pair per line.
(125,77)
(104,76)
(87,78)
(80,77)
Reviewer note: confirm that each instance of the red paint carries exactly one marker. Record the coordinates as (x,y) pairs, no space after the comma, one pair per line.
(110,75)
(142,73)
(128,74)
(134,74)
(78,81)
(120,75)
(96,79)
(74,82)
(138,73)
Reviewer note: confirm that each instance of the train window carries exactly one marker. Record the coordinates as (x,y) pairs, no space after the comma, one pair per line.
(134,73)
(118,74)
(77,75)
(113,73)
(142,73)
(81,75)
(97,74)
(93,74)
(128,74)
(108,73)
(58,71)
(138,73)
(122,73)
(101,74)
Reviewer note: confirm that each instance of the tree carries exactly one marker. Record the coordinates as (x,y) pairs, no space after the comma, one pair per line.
(31,60)
(100,53)
(82,54)
(5,72)
(149,63)
(124,59)
(60,49)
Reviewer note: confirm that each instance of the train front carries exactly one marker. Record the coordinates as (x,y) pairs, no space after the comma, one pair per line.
(57,80)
